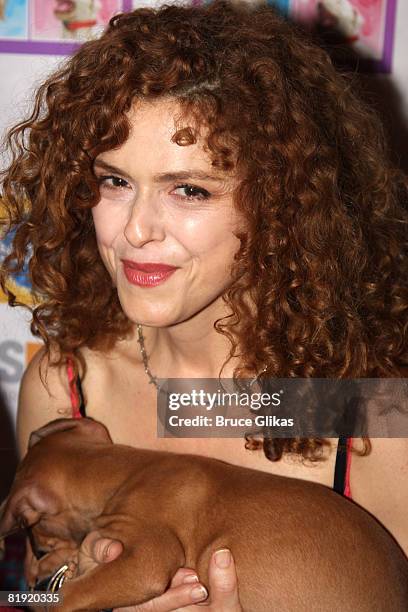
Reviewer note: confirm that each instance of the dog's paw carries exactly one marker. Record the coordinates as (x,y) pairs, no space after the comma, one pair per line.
(49,563)
(72,571)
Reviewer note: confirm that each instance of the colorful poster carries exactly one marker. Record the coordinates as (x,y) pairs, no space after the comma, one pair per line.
(367,25)
(14,19)
(61,20)
(20,284)
(53,26)
(58,26)
(282,5)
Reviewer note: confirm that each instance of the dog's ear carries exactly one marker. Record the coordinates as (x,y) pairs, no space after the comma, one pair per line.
(2,544)
(50,428)
(95,430)
(26,504)
(85,426)
(11,521)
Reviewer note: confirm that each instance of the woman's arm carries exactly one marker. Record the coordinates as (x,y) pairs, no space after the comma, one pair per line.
(36,407)
(36,404)
(184,592)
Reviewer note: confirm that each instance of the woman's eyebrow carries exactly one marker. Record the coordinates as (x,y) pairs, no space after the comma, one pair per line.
(99,163)
(164,177)
(182,175)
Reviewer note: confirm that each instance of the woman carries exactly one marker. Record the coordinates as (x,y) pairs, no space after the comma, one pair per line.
(203,195)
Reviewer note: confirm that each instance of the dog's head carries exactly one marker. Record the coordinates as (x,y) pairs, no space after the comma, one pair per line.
(40,490)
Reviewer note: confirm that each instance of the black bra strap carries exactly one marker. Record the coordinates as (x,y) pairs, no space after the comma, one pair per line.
(341,466)
(82,409)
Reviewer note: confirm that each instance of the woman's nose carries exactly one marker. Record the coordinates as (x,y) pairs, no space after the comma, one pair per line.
(145,223)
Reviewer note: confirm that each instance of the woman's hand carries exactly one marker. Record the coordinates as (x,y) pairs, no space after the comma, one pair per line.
(185,591)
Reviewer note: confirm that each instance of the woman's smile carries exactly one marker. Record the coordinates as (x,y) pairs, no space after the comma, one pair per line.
(147,274)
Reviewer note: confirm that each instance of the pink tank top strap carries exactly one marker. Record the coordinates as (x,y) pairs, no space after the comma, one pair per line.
(75,401)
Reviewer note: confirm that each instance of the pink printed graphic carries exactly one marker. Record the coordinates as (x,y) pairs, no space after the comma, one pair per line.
(71,20)
(361,22)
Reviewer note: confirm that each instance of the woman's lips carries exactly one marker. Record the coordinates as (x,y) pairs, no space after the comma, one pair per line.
(147,274)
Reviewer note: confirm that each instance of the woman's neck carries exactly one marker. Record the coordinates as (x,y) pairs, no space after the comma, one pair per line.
(190,349)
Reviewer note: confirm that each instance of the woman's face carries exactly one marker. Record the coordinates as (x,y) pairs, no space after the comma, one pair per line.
(165,222)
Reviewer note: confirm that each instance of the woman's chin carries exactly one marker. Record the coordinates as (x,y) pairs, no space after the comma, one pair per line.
(149,318)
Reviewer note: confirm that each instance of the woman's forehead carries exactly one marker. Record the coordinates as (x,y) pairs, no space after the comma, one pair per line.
(151,141)
(165,111)
(151,138)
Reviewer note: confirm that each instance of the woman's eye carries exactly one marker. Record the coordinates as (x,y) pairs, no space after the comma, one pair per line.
(113,182)
(189,192)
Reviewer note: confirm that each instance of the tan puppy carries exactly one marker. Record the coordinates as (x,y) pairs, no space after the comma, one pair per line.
(297,545)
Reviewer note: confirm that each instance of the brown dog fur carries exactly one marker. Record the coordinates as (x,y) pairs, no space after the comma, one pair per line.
(297,545)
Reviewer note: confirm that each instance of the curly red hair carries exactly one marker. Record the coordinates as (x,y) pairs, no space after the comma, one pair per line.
(322,259)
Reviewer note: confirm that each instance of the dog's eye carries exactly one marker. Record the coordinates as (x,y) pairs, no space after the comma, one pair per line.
(22,522)
(40,552)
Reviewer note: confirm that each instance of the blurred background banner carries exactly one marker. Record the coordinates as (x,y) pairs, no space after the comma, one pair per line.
(58,26)
(368,26)
(53,26)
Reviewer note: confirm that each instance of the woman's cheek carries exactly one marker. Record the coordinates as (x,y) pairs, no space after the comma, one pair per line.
(109,221)
(106,233)
(216,238)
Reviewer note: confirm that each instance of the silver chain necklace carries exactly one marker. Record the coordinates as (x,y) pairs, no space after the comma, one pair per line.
(140,338)
(153,379)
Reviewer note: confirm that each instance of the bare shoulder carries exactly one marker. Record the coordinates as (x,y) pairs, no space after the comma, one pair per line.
(44,390)
(44,395)
(379,483)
